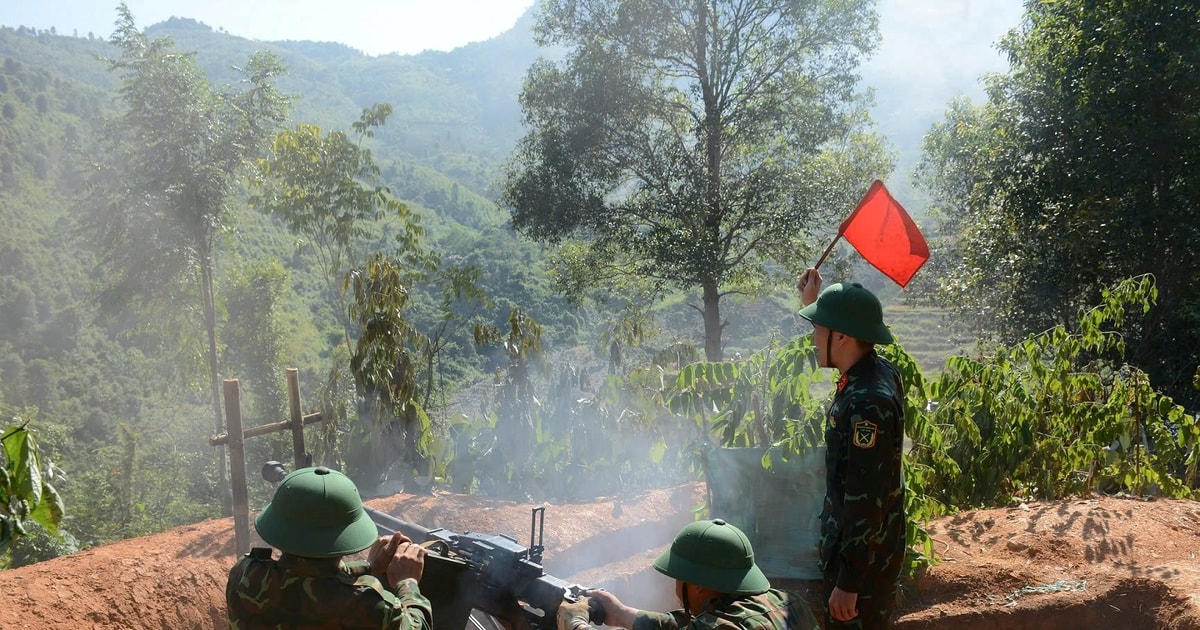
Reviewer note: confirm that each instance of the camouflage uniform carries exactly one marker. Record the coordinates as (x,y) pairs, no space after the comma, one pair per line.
(862,542)
(318,594)
(772,610)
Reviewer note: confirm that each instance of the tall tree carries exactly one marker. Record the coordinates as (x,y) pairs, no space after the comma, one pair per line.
(691,143)
(1075,175)
(174,157)
(385,363)
(327,190)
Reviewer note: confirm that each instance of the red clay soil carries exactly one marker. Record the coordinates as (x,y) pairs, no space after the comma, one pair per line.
(1120,563)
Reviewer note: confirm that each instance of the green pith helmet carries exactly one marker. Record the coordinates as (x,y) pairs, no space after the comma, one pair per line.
(851,310)
(716,555)
(316,513)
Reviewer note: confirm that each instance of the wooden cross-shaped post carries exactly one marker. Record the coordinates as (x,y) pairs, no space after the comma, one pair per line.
(235,439)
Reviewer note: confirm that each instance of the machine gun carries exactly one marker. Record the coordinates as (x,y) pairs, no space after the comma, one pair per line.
(489,573)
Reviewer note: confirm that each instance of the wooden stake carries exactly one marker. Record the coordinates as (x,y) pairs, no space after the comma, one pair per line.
(293,384)
(237,466)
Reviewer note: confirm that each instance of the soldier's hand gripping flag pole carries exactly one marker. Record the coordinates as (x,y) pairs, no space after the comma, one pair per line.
(884,235)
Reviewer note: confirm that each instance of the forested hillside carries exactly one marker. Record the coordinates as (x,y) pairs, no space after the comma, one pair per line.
(128,393)
(455,119)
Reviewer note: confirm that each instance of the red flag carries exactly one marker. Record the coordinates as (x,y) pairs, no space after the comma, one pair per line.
(885,235)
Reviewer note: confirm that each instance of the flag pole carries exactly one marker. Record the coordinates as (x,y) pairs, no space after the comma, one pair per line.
(827,250)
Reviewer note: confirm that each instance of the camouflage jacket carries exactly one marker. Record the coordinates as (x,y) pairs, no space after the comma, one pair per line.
(862,541)
(772,610)
(318,594)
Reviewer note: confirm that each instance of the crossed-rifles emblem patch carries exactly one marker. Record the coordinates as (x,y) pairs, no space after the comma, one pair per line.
(865,432)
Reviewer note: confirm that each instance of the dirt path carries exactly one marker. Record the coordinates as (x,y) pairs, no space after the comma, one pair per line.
(1111,562)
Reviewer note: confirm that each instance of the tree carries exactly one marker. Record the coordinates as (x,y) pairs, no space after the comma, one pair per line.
(326,189)
(1076,169)
(384,363)
(517,408)
(174,157)
(693,144)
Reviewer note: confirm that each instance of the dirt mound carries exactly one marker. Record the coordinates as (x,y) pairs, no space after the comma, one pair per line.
(1073,564)
(1123,563)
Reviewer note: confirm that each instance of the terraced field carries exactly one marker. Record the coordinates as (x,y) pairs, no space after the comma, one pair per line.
(924,334)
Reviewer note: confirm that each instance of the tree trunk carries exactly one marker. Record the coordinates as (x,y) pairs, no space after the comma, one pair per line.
(713,210)
(712,322)
(210,325)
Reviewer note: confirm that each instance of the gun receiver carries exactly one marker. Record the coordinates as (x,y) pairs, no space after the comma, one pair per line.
(491,573)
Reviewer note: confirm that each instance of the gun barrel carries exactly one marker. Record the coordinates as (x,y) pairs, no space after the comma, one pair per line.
(386,524)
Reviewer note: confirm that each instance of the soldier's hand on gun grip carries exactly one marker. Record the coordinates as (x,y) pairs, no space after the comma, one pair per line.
(616,614)
(380,553)
(573,615)
(408,561)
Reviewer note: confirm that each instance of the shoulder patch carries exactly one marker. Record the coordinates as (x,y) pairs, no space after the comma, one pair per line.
(864,433)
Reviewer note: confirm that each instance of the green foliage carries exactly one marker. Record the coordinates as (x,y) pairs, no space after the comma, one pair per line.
(517,409)
(462,302)
(766,399)
(138,486)
(549,432)
(171,160)
(777,398)
(385,364)
(38,544)
(327,191)
(1059,414)
(125,389)
(253,336)
(319,186)
(1072,170)
(26,494)
(920,505)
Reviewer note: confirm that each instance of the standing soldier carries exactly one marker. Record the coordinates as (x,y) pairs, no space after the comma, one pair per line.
(862,542)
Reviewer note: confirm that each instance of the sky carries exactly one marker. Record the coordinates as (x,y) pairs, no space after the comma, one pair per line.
(375,27)
(925,31)
(931,40)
